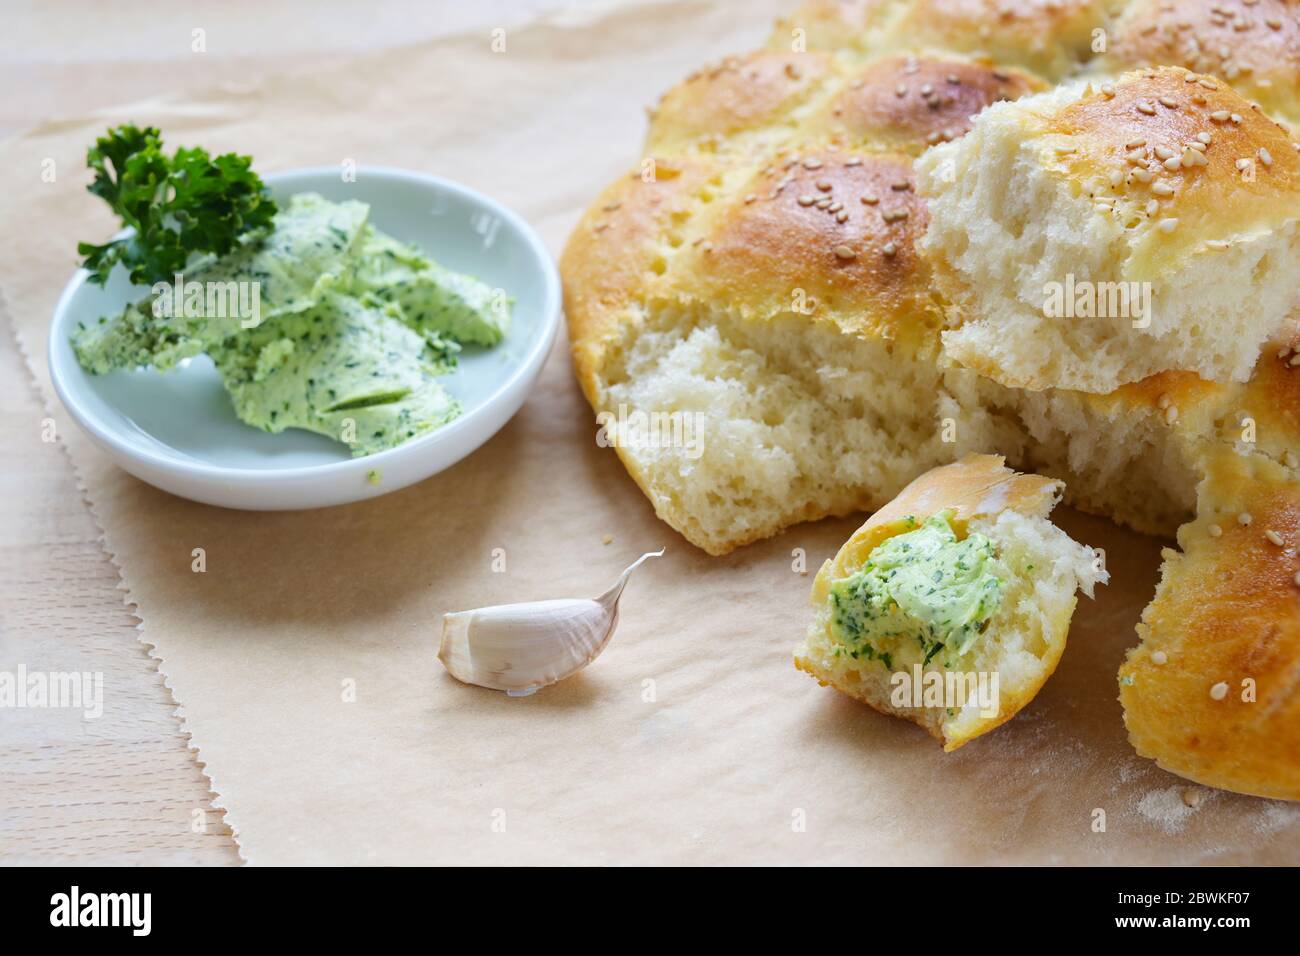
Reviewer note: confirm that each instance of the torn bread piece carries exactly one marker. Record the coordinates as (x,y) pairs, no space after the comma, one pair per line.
(950,606)
(1213,691)
(1107,231)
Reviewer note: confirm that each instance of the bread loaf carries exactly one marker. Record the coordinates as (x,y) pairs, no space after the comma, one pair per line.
(768,286)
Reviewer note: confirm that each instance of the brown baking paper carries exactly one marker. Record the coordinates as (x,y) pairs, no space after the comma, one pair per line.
(303,658)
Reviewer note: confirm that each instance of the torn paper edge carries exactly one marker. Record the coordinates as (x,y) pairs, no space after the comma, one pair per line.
(132,606)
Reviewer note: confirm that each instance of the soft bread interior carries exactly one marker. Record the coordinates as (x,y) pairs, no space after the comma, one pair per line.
(1041,568)
(1007,224)
(795,421)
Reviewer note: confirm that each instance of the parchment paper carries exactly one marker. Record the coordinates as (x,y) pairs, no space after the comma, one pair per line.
(693,739)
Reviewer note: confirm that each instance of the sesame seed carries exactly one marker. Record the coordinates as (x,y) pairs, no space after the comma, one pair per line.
(870,200)
(812,163)
(845,253)
(1205,138)
(835,207)
(893,215)
(1172,163)
(750,198)
(889,249)
(806,200)
(1220,116)
(1159,657)
(1107,90)
(902,186)
(1290,460)
(1244,519)
(1146,109)
(1142,175)
(1171,414)
(1191,798)
(1273,537)
(1167,225)
(1152,207)
(1215,531)
(1167,103)
(1135,143)
(1265,157)
(900,91)
(1163,152)
(841,217)
(855,161)
(1219,691)
(1164,401)
(823,185)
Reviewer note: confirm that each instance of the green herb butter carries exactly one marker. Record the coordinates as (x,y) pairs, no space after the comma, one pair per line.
(354,328)
(920,594)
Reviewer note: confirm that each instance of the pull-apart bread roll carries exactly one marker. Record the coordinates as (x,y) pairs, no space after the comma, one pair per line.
(755,284)
(1213,691)
(1101,233)
(1050,37)
(960,586)
(1253,44)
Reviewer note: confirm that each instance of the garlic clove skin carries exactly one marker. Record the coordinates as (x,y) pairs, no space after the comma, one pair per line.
(520,648)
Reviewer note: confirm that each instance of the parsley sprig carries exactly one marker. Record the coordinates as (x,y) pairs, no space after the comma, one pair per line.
(177,205)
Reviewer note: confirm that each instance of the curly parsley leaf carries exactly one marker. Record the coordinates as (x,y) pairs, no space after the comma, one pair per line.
(178,206)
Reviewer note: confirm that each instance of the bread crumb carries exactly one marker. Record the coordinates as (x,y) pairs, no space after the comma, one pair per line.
(1170,808)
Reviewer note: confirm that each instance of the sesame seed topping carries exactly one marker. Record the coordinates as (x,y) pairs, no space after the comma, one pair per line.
(1273,537)
(889,249)
(1167,103)
(1215,531)
(1135,143)
(893,215)
(806,200)
(1205,138)
(750,198)
(870,200)
(1265,157)
(845,253)
(1107,90)
(1244,519)
(901,186)
(1172,163)
(1171,414)
(1219,691)
(813,163)
(1167,225)
(1220,116)
(1146,109)
(1290,460)
(841,217)
(1159,657)
(1163,152)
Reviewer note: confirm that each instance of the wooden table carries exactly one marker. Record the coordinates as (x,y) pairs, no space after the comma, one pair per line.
(125,788)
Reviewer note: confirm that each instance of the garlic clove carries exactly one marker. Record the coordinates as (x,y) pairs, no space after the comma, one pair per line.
(521,648)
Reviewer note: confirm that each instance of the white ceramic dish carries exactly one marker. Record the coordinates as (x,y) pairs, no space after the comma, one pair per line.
(178,431)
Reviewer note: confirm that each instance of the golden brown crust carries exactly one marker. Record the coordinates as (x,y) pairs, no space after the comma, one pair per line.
(908,103)
(621,244)
(1254,46)
(826,233)
(711,108)
(1170,109)
(1050,37)
(1213,691)
(977,486)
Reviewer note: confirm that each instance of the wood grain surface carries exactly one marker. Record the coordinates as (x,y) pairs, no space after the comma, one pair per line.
(123,788)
